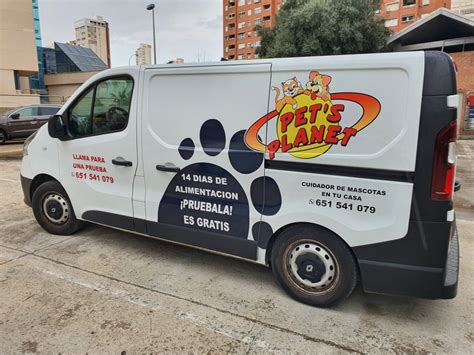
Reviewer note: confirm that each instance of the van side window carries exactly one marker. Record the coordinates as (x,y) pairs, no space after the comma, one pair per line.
(103,109)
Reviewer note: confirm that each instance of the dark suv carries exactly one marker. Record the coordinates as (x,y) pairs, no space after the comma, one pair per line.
(23,121)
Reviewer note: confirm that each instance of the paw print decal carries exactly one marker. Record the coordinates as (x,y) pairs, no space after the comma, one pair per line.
(209,198)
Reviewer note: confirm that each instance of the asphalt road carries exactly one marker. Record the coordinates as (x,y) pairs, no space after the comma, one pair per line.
(107,291)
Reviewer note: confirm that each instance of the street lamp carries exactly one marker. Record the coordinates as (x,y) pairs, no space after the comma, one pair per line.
(152,8)
(129,59)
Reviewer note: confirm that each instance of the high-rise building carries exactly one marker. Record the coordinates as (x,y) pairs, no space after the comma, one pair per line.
(18,55)
(37,81)
(143,54)
(463,7)
(240,19)
(399,14)
(94,34)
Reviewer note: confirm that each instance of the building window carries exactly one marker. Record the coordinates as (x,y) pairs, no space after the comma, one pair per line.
(241,24)
(393,7)
(408,18)
(241,46)
(409,2)
(257,43)
(16,77)
(257,10)
(249,13)
(241,35)
(257,22)
(266,7)
(241,2)
(241,56)
(241,14)
(392,22)
(426,2)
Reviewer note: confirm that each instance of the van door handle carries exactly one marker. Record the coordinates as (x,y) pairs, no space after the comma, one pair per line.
(121,162)
(168,167)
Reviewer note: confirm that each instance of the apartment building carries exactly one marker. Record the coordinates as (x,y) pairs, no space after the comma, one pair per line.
(93,33)
(399,14)
(143,54)
(18,55)
(464,8)
(240,18)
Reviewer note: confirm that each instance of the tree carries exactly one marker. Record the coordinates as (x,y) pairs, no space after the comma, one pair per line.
(324,27)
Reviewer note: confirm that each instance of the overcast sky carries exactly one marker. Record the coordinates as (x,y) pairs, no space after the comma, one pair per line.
(189,29)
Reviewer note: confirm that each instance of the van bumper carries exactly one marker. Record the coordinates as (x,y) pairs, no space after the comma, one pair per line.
(26,187)
(414,281)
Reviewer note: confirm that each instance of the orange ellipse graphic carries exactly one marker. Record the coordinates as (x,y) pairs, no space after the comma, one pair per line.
(370,110)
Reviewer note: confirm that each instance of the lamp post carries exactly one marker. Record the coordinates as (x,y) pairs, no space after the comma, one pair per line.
(129,59)
(152,8)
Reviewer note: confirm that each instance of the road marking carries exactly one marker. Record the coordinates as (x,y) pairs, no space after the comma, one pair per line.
(111,291)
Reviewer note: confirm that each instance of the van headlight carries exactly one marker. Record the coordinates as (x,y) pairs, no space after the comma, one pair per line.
(27,143)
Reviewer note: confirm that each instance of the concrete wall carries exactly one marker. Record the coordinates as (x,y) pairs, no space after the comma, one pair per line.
(17,52)
(61,86)
(17,37)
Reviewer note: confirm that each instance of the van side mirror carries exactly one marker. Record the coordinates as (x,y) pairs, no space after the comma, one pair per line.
(56,127)
(15,116)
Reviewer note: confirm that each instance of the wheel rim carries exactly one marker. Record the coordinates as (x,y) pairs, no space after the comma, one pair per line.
(2,137)
(311,266)
(55,208)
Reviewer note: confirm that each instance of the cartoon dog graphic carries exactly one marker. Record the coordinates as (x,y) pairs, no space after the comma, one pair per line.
(291,88)
(318,86)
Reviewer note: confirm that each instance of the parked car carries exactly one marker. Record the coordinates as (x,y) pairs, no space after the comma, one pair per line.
(24,121)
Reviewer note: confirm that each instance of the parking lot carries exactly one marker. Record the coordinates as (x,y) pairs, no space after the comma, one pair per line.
(108,291)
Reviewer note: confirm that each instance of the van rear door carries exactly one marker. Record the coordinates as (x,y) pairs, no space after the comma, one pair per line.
(201,179)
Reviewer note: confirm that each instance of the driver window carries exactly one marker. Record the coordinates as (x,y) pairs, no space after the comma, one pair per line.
(104,109)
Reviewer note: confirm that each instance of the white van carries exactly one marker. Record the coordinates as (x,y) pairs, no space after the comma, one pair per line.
(331,170)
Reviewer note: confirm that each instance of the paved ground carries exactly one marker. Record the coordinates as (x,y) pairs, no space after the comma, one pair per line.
(11,150)
(108,291)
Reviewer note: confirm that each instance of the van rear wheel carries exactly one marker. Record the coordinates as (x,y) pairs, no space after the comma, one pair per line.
(314,266)
(53,210)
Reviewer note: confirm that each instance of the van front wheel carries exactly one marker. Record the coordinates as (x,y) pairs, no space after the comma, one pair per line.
(314,266)
(53,210)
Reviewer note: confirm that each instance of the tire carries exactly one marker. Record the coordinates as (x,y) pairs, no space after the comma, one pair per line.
(53,209)
(3,137)
(313,265)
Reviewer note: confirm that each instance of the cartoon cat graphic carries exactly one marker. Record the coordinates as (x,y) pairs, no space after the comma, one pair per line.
(318,86)
(291,88)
